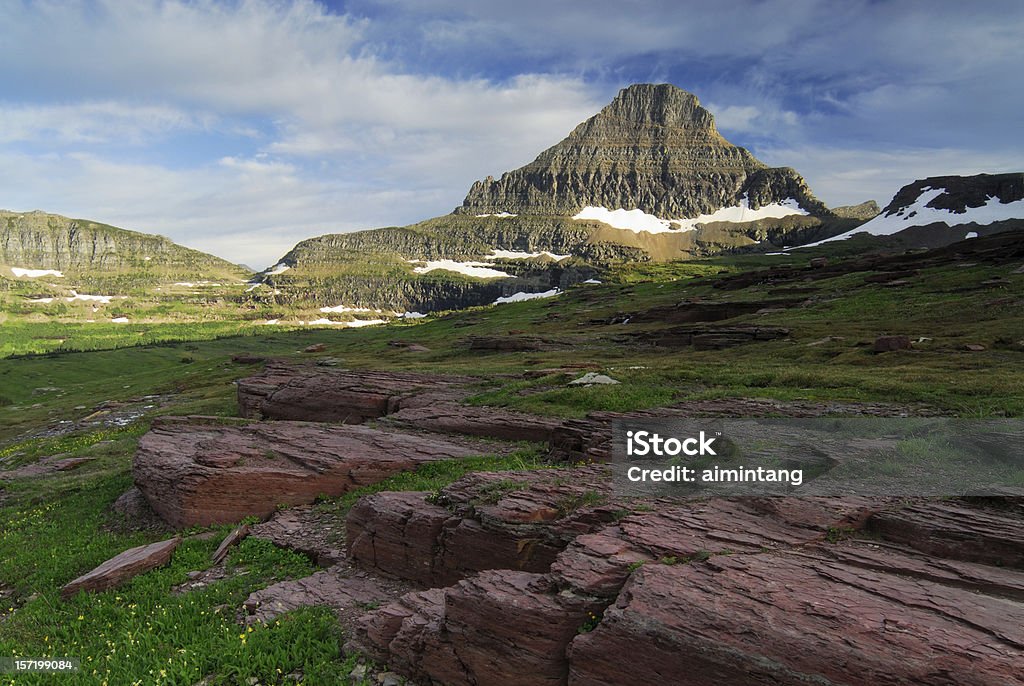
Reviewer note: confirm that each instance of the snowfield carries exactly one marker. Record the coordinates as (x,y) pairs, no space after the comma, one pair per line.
(917,214)
(639,221)
(35,273)
(478,270)
(520,297)
(519,255)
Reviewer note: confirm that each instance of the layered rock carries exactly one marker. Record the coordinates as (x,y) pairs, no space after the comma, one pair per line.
(653,148)
(40,240)
(493,520)
(429,402)
(512,626)
(284,391)
(797,618)
(200,471)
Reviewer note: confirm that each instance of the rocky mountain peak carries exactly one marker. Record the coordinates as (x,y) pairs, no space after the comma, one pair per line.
(659,104)
(652,148)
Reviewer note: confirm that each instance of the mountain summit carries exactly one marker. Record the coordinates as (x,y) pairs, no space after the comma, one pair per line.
(653,148)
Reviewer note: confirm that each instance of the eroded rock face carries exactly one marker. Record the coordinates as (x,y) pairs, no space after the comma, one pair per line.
(653,148)
(199,471)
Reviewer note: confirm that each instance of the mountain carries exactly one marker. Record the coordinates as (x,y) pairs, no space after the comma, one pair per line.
(653,148)
(648,178)
(940,210)
(32,242)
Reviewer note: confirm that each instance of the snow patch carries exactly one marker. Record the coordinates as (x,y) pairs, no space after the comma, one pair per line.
(272,321)
(355,323)
(520,297)
(478,270)
(119,320)
(502,215)
(917,214)
(35,273)
(345,308)
(971,234)
(592,281)
(412,315)
(519,255)
(639,221)
(279,268)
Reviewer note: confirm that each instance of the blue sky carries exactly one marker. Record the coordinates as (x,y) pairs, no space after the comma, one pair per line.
(242,127)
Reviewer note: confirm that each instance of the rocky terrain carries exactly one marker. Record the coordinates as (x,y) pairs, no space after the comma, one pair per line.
(551,577)
(940,210)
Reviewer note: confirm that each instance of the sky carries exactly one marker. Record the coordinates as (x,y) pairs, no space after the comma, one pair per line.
(240,127)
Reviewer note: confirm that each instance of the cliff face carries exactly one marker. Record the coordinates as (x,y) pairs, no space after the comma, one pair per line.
(39,240)
(653,148)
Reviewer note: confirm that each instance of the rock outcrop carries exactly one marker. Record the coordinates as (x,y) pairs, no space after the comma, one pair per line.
(201,471)
(728,591)
(653,148)
(427,402)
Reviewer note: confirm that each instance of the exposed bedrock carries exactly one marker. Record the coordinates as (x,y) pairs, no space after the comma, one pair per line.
(201,471)
(487,520)
(798,617)
(430,402)
(514,626)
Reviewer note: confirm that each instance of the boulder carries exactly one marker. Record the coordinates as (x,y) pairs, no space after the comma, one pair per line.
(498,627)
(200,471)
(124,567)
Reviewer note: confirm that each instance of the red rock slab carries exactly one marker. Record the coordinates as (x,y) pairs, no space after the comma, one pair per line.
(396,533)
(306,530)
(117,570)
(795,619)
(892,559)
(957,531)
(498,627)
(196,471)
(292,392)
(599,563)
(232,539)
(493,422)
(326,588)
(488,520)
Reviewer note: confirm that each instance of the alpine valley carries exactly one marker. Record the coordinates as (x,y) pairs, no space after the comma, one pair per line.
(393,457)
